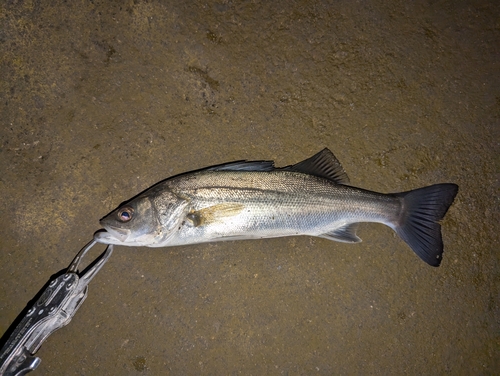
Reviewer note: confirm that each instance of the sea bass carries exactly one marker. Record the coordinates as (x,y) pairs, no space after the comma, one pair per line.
(254,200)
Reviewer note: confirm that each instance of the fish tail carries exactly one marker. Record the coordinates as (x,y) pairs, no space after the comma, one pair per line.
(419,225)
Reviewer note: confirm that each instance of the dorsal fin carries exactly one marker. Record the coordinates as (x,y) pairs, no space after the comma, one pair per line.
(244,166)
(323,164)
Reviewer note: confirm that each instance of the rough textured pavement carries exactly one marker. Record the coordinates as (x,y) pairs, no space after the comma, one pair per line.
(100,100)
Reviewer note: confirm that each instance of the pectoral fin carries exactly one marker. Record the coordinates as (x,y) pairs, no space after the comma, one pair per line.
(214,213)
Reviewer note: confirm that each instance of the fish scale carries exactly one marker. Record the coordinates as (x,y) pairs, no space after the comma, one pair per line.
(276,201)
(250,200)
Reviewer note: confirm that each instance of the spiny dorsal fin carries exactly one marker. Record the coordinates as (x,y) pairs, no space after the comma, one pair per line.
(244,166)
(323,164)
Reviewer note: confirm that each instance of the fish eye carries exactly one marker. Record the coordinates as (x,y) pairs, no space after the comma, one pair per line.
(125,214)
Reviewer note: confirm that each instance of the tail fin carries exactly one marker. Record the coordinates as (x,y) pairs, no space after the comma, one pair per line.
(419,224)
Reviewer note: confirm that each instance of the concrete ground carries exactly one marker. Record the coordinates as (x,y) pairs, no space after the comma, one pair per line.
(100,100)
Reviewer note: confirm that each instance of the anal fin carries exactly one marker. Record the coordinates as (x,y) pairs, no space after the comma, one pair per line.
(344,234)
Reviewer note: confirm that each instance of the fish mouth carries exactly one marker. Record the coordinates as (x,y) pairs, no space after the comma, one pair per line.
(111,235)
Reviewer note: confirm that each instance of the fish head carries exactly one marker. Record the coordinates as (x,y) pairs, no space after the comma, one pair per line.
(132,223)
(147,220)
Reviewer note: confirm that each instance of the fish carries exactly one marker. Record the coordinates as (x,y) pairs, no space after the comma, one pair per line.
(254,200)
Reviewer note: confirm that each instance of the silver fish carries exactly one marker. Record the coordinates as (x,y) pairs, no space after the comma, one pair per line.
(253,200)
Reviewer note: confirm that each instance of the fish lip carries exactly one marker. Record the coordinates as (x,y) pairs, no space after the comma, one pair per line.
(110,233)
(104,237)
(101,236)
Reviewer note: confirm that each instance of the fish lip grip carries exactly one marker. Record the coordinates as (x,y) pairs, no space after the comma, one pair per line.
(54,309)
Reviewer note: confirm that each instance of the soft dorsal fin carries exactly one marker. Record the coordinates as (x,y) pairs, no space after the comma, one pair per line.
(323,164)
(244,166)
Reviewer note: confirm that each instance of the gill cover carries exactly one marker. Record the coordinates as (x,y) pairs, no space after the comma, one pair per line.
(146,220)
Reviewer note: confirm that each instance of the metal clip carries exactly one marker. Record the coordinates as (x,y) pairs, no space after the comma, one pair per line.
(54,309)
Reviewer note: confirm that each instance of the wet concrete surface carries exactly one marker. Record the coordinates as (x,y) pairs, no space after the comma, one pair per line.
(100,100)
